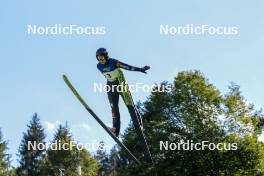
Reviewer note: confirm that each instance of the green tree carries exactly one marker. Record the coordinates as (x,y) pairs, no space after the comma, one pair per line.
(104,160)
(59,158)
(4,157)
(67,159)
(31,158)
(88,164)
(196,111)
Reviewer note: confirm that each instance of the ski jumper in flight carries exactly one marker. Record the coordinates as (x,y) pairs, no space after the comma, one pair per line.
(111,69)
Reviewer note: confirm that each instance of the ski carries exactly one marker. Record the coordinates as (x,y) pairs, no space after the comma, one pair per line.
(135,116)
(77,95)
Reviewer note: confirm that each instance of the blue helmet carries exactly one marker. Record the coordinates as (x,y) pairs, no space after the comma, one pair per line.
(102,52)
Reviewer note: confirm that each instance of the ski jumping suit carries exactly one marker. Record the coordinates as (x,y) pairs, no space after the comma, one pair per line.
(117,84)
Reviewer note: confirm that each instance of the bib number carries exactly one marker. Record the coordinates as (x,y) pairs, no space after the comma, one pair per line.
(108,76)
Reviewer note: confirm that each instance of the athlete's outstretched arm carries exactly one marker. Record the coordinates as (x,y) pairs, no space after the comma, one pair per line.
(132,68)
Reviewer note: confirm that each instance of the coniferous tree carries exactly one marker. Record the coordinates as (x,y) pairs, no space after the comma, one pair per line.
(104,160)
(31,156)
(67,158)
(4,157)
(59,158)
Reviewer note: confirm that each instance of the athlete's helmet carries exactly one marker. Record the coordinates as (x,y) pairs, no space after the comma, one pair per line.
(102,52)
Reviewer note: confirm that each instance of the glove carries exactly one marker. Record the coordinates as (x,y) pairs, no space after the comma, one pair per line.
(144,69)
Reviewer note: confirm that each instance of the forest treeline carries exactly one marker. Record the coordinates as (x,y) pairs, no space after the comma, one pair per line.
(194,110)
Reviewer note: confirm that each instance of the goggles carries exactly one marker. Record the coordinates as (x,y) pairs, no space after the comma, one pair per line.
(100,58)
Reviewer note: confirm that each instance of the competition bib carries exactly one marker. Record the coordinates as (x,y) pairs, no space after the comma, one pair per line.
(112,75)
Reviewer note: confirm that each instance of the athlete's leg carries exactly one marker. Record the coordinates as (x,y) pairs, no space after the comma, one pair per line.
(113,97)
